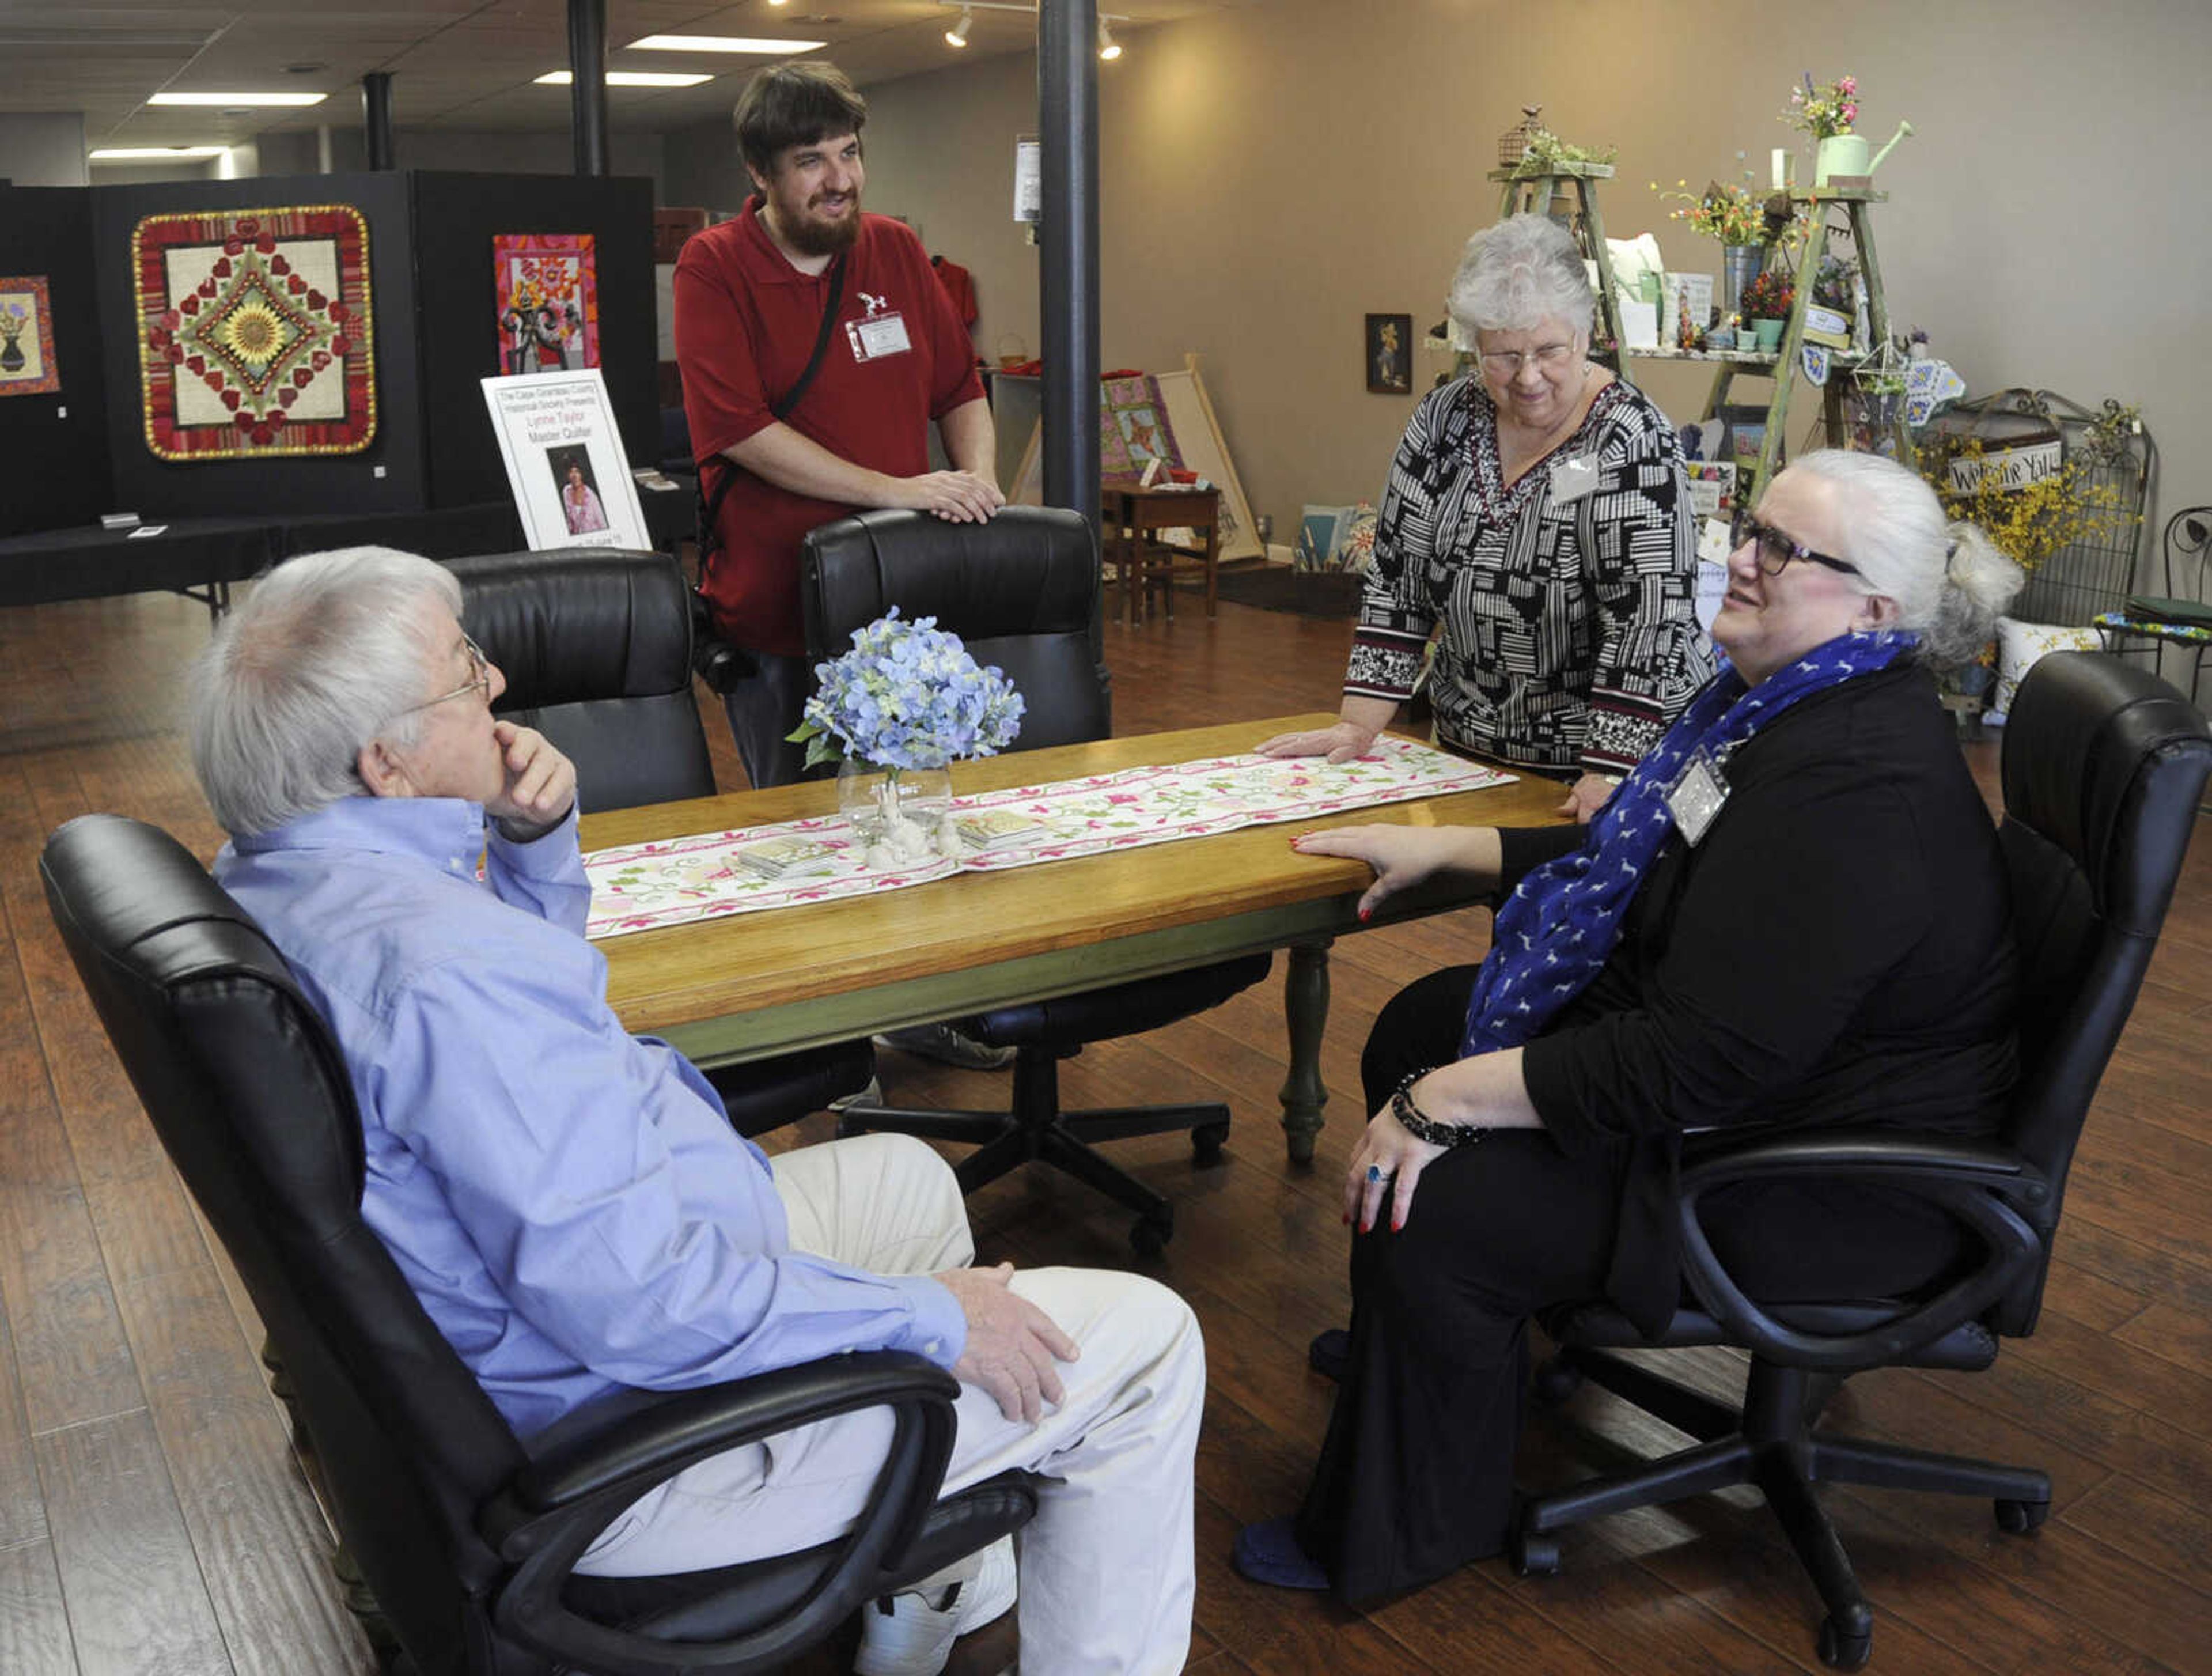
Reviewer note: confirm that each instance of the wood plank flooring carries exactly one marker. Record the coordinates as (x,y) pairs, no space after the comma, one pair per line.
(153,1523)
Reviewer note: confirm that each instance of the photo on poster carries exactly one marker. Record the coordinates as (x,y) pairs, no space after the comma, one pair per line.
(27,338)
(565,463)
(545,295)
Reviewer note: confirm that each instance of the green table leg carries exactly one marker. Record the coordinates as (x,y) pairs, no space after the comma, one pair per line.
(1305,1007)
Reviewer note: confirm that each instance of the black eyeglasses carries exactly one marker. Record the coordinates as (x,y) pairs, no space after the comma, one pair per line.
(1776,550)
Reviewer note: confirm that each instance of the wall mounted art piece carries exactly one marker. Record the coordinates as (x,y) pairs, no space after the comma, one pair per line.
(27,338)
(1389,342)
(546,293)
(1132,426)
(255,332)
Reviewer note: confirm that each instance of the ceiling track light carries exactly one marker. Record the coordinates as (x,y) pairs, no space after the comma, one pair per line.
(1108,48)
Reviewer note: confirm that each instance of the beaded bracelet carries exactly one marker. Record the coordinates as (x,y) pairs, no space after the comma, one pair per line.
(1426,1129)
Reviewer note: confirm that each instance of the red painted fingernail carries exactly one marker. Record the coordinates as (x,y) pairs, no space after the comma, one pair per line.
(1366,914)
(1396,1224)
(1347,1219)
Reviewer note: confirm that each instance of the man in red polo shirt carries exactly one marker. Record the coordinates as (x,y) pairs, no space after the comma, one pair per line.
(801,266)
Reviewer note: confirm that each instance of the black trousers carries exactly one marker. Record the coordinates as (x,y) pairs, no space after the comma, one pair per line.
(1416,1476)
(763,708)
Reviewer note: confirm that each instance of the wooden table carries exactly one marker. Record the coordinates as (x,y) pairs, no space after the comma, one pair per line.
(1130,512)
(751,984)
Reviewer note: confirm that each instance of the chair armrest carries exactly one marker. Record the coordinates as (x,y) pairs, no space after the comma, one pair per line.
(586,1469)
(1976,1183)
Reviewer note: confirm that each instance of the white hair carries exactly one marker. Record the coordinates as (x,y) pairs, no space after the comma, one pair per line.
(1515,276)
(1949,579)
(327,652)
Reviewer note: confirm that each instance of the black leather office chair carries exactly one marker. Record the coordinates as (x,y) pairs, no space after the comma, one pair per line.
(2103,765)
(1020,590)
(596,647)
(465,1533)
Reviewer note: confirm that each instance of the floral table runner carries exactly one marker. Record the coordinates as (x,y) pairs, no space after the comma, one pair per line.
(643,886)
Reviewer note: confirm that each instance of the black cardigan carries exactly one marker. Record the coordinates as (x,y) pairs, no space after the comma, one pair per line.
(1837,950)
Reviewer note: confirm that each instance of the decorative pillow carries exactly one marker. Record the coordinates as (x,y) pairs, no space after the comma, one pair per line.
(2019,646)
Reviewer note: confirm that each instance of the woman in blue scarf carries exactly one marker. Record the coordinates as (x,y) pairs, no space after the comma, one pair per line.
(1792,912)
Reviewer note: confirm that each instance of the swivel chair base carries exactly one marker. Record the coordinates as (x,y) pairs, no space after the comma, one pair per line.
(1035,1129)
(1770,1443)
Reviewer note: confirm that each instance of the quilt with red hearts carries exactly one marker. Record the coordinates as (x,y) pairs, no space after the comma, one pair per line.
(255,332)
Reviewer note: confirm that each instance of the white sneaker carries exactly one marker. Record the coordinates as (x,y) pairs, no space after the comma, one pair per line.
(911,1634)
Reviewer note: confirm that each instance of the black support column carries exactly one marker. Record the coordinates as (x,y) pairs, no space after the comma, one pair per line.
(376,117)
(1067,101)
(588,93)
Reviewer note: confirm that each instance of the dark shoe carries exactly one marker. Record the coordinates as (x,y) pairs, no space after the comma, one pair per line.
(1330,1353)
(1268,1552)
(948,1046)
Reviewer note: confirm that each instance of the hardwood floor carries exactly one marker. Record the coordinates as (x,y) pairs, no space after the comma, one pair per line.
(153,1522)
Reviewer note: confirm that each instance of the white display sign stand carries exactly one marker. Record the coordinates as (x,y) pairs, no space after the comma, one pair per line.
(565,465)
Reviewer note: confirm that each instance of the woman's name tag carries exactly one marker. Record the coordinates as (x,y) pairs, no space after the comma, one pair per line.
(1572,478)
(1696,797)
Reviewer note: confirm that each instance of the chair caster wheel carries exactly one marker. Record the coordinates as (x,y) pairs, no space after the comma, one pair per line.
(1843,1650)
(1557,1380)
(1150,1238)
(1206,1142)
(1533,1556)
(2021,1517)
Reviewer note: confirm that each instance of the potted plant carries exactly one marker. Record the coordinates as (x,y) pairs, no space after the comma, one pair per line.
(1732,214)
(1767,303)
(1827,111)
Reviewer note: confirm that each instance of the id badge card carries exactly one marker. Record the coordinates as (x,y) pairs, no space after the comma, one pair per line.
(1696,797)
(878,337)
(1573,478)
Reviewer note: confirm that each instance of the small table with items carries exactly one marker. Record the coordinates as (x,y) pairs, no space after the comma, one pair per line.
(1133,517)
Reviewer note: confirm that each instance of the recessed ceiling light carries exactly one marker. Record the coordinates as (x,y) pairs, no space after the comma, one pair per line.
(723,44)
(138,154)
(628,78)
(229,99)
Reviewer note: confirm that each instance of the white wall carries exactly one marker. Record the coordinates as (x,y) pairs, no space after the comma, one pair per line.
(1269,174)
(42,149)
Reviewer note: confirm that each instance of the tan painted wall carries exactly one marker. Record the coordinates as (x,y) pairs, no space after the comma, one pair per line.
(1269,173)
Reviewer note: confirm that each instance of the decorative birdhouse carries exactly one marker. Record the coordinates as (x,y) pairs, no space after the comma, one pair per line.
(1513,143)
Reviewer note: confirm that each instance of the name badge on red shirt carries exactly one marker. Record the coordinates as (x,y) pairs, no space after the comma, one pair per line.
(881,333)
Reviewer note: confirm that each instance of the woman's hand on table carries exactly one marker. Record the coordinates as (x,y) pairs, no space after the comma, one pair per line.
(1587,796)
(1402,857)
(1386,1168)
(1339,743)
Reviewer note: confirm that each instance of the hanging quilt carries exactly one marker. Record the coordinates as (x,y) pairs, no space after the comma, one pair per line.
(255,332)
(27,338)
(1132,426)
(545,289)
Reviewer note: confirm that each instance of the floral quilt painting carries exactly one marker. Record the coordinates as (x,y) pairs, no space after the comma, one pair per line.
(27,338)
(546,291)
(1132,426)
(255,332)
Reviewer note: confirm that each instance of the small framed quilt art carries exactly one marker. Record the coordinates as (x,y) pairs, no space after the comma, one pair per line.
(255,332)
(27,338)
(545,290)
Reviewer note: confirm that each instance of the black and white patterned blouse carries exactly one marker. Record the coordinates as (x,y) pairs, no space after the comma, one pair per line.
(1570,637)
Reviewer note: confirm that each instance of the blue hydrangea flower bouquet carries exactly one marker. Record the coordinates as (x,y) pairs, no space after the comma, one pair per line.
(906,701)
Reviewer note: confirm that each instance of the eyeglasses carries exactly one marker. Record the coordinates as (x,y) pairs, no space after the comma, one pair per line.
(1776,550)
(479,680)
(1508,363)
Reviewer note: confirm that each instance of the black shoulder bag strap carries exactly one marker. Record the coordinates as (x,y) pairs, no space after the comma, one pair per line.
(710,506)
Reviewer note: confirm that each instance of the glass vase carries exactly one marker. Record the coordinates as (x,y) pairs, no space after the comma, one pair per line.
(897,812)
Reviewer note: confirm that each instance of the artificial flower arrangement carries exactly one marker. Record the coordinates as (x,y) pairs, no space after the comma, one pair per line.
(2030,523)
(1768,295)
(1546,150)
(909,695)
(1727,212)
(1824,109)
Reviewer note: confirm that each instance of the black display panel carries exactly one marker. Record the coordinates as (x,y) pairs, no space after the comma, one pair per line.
(456,218)
(55,441)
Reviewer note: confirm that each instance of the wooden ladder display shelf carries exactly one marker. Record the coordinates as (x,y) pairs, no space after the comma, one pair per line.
(1528,193)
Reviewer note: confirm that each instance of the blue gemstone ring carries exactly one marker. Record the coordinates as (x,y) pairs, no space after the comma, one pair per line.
(1375,1173)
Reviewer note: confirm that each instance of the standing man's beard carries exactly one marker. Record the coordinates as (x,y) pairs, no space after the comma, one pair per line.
(817,238)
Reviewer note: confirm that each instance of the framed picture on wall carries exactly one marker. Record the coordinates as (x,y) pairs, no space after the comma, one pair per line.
(1389,345)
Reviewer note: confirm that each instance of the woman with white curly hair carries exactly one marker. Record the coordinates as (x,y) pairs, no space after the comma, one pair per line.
(1538,512)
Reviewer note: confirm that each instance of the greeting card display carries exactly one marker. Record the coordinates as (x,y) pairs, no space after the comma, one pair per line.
(545,291)
(27,338)
(255,332)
